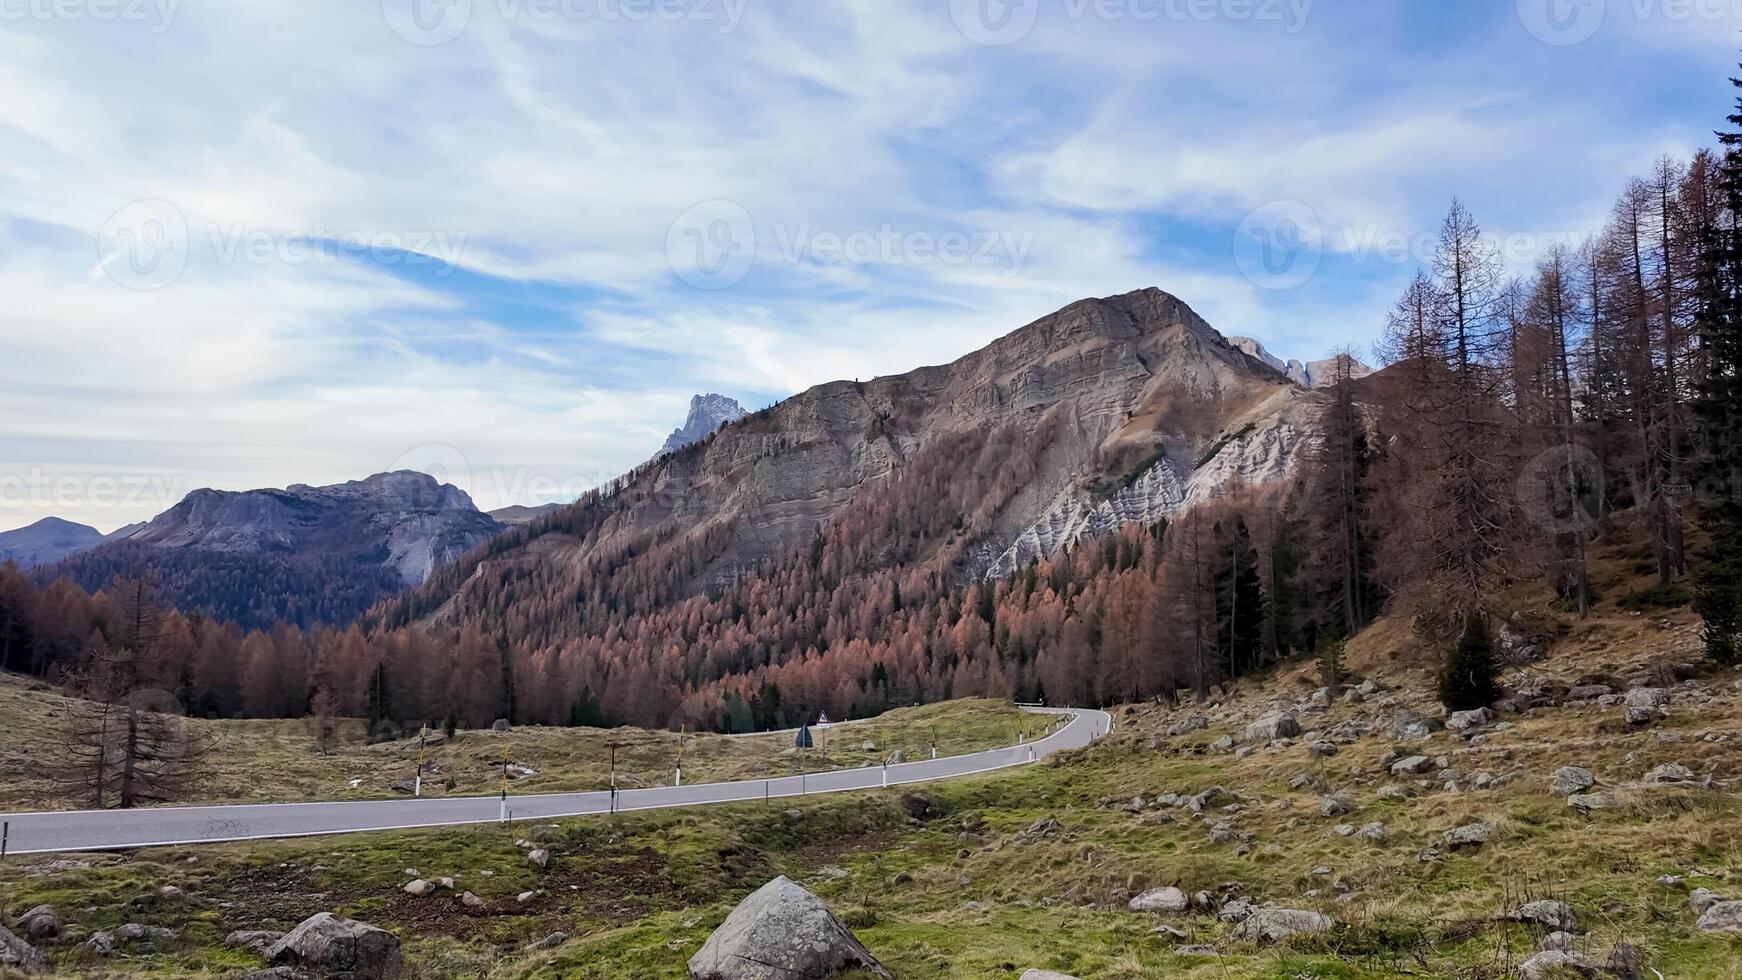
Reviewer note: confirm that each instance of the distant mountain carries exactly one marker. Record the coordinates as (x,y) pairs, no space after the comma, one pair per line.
(707,414)
(521,514)
(301,554)
(1309,374)
(47,541)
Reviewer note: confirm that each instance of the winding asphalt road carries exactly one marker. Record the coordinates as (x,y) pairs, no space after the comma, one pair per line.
(100,830)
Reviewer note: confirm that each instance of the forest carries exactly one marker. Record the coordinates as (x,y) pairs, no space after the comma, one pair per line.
(1516,416)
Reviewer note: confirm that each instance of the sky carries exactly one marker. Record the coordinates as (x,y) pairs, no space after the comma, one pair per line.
(249,243)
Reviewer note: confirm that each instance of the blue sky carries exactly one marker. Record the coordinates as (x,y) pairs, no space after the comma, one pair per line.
(249,243)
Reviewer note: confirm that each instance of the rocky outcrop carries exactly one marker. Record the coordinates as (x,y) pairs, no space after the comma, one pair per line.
(781,931)
(343,949)
(16,954)
(1309,374)
(707,414)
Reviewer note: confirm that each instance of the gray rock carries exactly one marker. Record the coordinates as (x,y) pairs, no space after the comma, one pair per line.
(1547,913)
(1721,917)
(1197,950)
(551,941)
(1273,925)
(1703,898)
(1337,805)
(419,887)
(1669,773)
(1644,705)
(898,757)
(539,856)
(1672,881)
(1599,800)
(254,940)
(1571,779)
(1563,941)
(1321,749)
(1468,837)
(16,954)
(1374,832)
(1555,963)
(42,922)
(1168,899)
(1272,727)
(1411,766)
(1624,962)
(781,931)
(1589,692)
(500,725)
(341,948)
(1463,721)
(471,901)
(1045,975)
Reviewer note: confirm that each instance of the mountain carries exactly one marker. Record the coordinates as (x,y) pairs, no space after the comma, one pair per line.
(47,541)
(522,514)
(707,414)
(1311,374)
(1107,412)
(300,555)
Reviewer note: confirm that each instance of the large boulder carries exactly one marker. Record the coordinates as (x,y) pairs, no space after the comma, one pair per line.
(1275,925)
(1547,913)
(1161,900)
(1571,779)
(1468,837)
(1272,727)
(340,948)
(16,954)
(781,931)
(1645,705)
(40,923)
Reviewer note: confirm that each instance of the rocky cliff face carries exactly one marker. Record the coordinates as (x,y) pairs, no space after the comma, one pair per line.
(1309,374)
(707,414)
(48,540)
(1110,410)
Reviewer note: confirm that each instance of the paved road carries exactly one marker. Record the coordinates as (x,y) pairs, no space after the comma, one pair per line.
(97,830)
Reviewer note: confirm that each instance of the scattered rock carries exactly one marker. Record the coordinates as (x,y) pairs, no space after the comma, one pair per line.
(1555,963)
(1468,837)
(16,954)
(1644,705)
(1045,828)
(781,931)
(169,891)
(1045,975)
(1547,913)
(1374,832)
(1703,898)
(500,725)
(337,947)
(551,941)
(1321,749)
(1272,727)
(1463,721)
(1337,805)
(471,901)
(1669,773)
(1563,941)
(419,887)
(1571,779)
(539,856)
(1199,950)
(1168,899)
(1672,881)
(1273,925)
(898,757)
(40,923)
(1721,917)
(1599,800)
(1413,765)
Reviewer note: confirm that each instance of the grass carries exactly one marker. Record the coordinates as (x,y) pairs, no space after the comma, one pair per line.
(275,761)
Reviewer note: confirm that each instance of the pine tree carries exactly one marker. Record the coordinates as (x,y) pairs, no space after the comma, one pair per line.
(1718,410)
(1470,678)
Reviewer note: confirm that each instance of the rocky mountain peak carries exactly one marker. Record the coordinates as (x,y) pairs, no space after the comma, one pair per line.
(48,540)
(707,413)
(1307,374)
